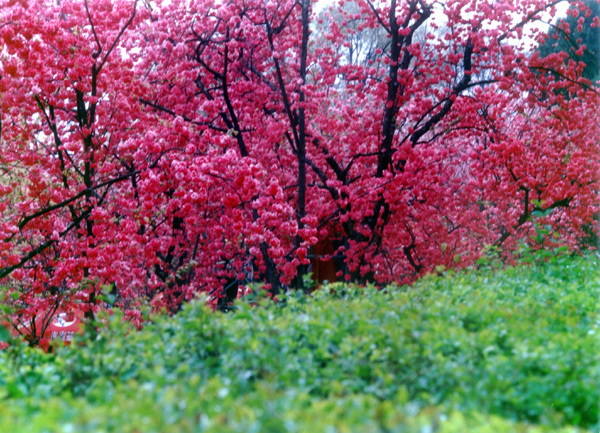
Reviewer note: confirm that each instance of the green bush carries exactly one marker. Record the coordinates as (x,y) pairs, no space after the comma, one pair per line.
(487,351)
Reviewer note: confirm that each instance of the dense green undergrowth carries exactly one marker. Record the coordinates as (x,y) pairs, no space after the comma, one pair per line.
(488,351)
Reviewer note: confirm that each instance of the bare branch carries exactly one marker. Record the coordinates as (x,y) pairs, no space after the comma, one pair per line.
(99,51)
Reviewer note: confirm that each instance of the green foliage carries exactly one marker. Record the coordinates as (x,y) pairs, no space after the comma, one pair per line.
(487,351)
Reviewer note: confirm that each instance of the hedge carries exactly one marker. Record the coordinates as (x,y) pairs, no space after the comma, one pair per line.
(514,350)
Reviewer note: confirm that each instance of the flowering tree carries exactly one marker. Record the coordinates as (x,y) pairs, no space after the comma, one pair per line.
(67,112)
(452,131)
(149,153)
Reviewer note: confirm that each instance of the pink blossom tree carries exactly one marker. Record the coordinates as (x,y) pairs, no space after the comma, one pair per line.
(151,153)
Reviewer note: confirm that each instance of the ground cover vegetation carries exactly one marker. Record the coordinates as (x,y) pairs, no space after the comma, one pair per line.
(513,350)
(150,151)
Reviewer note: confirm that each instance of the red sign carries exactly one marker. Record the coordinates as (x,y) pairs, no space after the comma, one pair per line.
(64,326)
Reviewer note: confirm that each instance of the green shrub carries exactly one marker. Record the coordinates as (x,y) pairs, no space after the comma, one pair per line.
(488,351)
